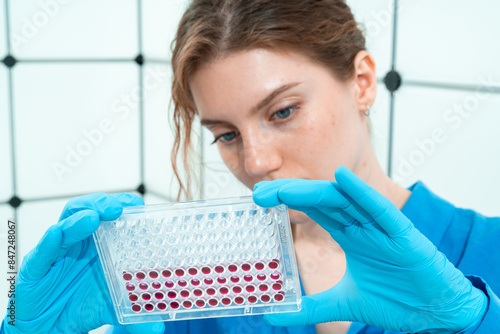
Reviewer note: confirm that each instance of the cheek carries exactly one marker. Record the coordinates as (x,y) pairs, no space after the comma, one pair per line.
(325,141)
(316,138)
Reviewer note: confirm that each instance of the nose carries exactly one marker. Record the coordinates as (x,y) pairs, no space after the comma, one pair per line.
(262,155)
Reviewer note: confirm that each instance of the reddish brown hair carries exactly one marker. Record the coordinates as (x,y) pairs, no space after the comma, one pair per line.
(323,30)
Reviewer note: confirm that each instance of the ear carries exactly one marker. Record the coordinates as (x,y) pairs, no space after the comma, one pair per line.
(365,80)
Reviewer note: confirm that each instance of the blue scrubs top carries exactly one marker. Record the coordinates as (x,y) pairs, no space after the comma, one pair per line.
(469,240)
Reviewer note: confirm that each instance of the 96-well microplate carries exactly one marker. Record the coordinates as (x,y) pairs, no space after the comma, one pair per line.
(199,259)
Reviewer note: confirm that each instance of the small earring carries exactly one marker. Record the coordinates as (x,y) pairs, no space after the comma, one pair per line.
(367,112)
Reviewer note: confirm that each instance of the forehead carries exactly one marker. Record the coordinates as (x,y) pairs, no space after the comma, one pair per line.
(245,76)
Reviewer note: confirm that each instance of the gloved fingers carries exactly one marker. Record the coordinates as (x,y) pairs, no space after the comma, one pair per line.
(107,206)
(349,206)
(38,261)
(306,194)
(380,208)
(318,308)
(127,199)
(78,227)
(148,327)
(301,193)
(273,183)
(331,221)
(265,192)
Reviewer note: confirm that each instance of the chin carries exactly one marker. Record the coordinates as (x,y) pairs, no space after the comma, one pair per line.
(298,217)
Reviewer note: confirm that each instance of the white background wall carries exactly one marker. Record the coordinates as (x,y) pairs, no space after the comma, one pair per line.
(76,75)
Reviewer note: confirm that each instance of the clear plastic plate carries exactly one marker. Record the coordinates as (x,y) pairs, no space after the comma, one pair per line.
(199,259)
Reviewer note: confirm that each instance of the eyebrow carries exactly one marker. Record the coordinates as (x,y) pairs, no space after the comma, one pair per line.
(268,99)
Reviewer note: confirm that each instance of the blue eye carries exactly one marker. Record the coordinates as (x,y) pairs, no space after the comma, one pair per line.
(226,137)
(284,113)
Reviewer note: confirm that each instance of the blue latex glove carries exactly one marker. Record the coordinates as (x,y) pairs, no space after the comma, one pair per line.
(395,278)
(61,287)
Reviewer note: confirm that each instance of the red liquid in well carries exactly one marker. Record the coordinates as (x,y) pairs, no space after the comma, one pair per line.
(276,275)
(273,264)
(264,292)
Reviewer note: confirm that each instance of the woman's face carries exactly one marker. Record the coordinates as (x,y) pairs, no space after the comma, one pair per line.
(277,115)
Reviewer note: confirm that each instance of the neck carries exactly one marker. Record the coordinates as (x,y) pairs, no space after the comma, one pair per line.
(368,170)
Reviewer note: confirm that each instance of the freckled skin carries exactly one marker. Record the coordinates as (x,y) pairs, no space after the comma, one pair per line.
(311,145)
(327,130)
(306,131)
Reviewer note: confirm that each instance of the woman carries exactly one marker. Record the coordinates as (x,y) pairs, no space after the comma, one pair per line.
(285,87)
